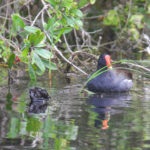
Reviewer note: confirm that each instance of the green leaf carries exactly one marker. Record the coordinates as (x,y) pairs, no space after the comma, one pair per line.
(11,60)
(44,53)
(112,18)
(148,9)
(70,21)
(52,2)
(137,20)
(39,72)
(77,12)
(31,29)
(25,52)
(51,23)
(135,34)
(59,35)
(17,22)
(65,30)
(36,38)
(51,66)
(67,3)
(31,72)
(147,20)
(79,22)
(82,3)
(37,60)
(92,1)
(40,45)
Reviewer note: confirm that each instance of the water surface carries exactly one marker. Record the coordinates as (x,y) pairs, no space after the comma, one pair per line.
(73,121)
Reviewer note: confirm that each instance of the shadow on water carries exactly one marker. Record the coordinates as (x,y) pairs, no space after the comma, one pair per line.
(106,105)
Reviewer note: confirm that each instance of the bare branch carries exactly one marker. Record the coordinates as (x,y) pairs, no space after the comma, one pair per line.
(76,37)
(10,3)
(68,47)
(11,43)
(138,66)
(45,7)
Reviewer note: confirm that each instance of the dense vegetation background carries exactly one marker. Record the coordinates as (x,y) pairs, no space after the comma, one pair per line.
(71,34)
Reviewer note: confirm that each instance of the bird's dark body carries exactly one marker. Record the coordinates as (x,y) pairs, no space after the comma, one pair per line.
(110,80)
(39,100)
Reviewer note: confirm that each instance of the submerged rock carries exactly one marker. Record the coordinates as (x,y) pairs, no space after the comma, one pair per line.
(39,100)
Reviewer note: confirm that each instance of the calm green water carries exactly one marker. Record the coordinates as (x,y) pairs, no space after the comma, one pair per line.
(73,121)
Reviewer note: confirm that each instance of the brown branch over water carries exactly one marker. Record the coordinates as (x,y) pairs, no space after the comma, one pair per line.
(138,66)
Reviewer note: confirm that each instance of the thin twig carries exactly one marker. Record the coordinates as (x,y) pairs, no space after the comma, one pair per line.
(44,4)
(96,31)
(9,42)
(82,52)
(68,47)
(10,3)
(5,18)
(138,66)
(93,17)
(29,14)
(45,7)
(76,37)
(6,15)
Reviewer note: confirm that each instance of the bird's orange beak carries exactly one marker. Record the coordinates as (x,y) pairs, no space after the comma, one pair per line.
(108,61)
(105,124)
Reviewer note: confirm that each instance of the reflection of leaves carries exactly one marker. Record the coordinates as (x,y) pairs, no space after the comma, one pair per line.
(9,102)
(72,132)
(33,124)
(60,143)
(14,128)
(49,128)
(21,107)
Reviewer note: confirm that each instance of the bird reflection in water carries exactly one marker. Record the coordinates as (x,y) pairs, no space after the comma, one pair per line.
(105,105)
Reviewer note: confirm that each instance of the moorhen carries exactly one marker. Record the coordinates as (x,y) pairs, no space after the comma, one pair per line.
(110,80)
(39,100)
